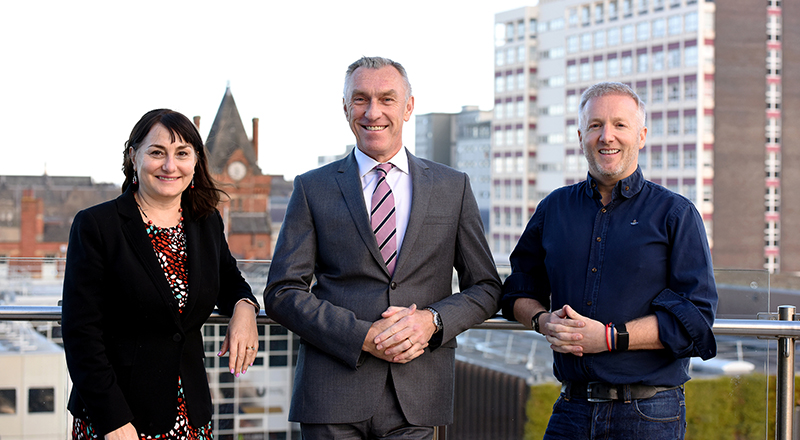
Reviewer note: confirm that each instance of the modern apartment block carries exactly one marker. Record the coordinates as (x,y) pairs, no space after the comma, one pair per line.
(547,56)
(517,185)
(757,219)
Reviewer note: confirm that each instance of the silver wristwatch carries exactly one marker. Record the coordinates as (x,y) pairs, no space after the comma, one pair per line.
(437,320)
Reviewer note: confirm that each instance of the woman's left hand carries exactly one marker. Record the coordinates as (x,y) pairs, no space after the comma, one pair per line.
(241,339)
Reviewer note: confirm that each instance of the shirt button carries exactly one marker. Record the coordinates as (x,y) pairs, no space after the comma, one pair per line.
(603,210)
(627,188)
(393,285)
(598,239)
(589,303)
(594,270)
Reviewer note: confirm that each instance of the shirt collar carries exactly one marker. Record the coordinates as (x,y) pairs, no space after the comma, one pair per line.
(366,163)
(627,187)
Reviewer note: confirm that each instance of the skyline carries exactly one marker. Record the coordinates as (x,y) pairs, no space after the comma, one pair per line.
(79,75)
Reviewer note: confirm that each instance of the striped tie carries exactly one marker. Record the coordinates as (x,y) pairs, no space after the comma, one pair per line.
(383,219)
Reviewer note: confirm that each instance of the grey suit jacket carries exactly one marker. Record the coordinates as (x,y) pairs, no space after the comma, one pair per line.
(327,234)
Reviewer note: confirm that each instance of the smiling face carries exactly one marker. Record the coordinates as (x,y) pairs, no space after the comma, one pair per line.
(165,167)
(612,137)
(376,108)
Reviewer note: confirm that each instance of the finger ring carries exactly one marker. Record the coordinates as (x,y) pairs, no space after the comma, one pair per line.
(409,340)
(250,348)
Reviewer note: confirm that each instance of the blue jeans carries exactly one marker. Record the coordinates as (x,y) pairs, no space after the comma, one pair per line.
(662,416)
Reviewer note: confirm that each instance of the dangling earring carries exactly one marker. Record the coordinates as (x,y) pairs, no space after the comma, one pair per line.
(192,182)
(134,181)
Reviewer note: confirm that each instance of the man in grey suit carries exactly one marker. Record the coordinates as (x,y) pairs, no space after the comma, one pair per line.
(381,230)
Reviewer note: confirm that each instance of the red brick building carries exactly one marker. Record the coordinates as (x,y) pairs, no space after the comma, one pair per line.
(233,161)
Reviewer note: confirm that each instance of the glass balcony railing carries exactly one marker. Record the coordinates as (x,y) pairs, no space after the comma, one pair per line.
(504,382)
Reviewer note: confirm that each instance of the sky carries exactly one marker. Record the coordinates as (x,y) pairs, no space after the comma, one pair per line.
(77,75)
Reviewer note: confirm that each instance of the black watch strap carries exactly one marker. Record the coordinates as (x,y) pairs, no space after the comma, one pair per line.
(623,338)
(535,321)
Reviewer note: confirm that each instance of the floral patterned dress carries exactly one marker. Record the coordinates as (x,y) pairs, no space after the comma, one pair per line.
(170,247)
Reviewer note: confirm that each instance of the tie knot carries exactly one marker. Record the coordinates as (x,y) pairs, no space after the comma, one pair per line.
(384,168)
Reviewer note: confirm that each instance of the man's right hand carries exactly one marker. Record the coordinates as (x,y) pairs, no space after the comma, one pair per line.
(410,350)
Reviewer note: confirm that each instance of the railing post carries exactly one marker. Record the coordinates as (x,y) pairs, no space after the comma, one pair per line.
(785,379)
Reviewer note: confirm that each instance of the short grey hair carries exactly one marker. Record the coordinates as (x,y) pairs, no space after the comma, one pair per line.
(375,63)
(610,88)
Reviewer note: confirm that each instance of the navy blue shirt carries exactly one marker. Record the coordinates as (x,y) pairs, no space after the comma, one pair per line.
(644,253)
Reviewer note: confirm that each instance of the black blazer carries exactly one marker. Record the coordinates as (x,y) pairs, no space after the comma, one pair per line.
(124,340)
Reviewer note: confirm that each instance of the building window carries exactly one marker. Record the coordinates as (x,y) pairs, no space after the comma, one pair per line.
(659,28)
(586,41)
(643,158)
(520,81)
(689,159)
(641,63)
(674,92)
(689,124)
(613,36)
(643,31)
(572,43)
(599,39)
(708,193)
(598,13)
(627,33)
(673,126)
(657,127)
(690,191)
(521,53)
(689,89)
(8,401)
(673,161)
(674,58)
(572,73)
(500,57)
(511,55)
(708,124)
(627,8)
(657,160)
(658,61)
(572,103)
(643,7)
(627,65)
(520,109)
(599,69)
(690,22)
(658,93)
(41,400)
(499,84)
(612,10)
(573,17)
(690,56)
(586,72)
(674,25)
(613,68)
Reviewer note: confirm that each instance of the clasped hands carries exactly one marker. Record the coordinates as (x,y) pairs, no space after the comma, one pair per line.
(569,332)
(401,335)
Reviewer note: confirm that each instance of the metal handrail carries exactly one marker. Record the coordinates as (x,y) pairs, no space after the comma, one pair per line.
(785,329)
(731,327)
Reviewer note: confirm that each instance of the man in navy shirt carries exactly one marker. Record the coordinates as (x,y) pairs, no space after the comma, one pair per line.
(625,267)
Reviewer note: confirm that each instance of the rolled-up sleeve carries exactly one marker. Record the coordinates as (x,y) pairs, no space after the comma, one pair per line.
(686,309)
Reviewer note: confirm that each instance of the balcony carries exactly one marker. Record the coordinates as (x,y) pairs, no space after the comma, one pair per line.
(504,382)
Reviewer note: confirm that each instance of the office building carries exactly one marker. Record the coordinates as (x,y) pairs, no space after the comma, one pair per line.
(547,56)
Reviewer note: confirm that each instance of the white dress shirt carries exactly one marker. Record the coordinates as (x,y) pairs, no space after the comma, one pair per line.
(398,179)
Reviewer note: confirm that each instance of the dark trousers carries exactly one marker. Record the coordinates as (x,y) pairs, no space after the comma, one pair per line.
(388,422)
